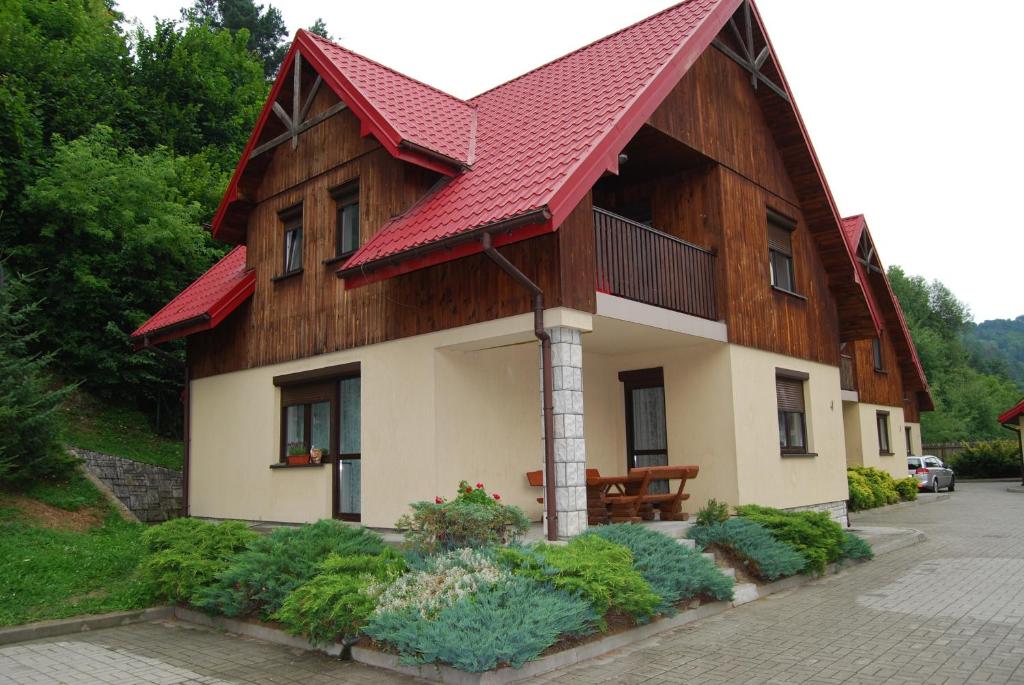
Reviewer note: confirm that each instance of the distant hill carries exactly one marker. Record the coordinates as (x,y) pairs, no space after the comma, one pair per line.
(999,345)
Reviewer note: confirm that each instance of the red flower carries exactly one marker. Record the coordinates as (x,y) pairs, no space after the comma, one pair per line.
(496,496)
(479,486)
(438,500)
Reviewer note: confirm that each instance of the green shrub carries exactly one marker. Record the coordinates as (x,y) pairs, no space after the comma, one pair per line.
(712,512)
(988,459)
(599,570)
(862,496)
(185,555)
(674,572)
(871,487)
(762,555)
(855,547)
(907,488)
(443,580)
(259,579)
(505,623)
(813,534)
(339,599)
(473,519)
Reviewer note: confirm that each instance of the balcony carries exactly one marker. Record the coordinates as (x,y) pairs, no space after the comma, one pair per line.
(641,263)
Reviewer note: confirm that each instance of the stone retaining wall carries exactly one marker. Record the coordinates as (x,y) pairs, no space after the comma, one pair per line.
(837,510)
(152,493)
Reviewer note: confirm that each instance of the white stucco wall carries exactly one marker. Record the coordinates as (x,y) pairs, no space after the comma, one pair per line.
(862,438)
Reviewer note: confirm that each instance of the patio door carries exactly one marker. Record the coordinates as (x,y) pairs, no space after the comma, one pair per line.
(348,469)
(646,432)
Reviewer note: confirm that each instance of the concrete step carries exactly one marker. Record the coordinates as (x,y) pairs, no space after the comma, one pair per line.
(744,593)
(687,542)
(710,556)
(728,571)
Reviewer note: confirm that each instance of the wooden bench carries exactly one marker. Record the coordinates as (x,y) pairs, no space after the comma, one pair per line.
(669,505)
(536,479)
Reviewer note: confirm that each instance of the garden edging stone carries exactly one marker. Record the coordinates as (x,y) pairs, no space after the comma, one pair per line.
(80,624)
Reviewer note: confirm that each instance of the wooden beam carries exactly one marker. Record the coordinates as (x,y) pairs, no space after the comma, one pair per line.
(296,96)
(304,126)
(283,115)
(309,98)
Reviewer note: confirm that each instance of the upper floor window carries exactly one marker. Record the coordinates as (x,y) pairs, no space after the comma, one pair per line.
(789,392)
(884,444)
(292,219)
(780,251)
(876,354)
(346,238)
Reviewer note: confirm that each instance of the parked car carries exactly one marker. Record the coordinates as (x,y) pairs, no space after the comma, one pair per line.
(931,473)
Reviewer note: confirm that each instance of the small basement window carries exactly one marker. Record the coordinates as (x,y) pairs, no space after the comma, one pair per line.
(789,392)
(780,251)
(346,238)
(292,219)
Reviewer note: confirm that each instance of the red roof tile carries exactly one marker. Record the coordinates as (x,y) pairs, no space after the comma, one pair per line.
(203,304)
(547,135)
(853,228)
(1013,414)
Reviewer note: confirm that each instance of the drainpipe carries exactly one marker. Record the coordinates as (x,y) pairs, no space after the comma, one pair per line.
(547,383)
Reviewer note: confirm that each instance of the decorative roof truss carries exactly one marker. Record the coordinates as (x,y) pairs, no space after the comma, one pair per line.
(743,42)
(866,255)
(297,121)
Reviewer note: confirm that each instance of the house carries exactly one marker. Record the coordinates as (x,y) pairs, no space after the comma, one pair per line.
(1013,419)
(628,256)
(883,382)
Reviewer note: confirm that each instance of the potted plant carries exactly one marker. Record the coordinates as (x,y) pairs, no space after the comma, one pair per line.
(297,454)
(316,455)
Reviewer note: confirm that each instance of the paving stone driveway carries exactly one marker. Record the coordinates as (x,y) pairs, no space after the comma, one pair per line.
(949,610)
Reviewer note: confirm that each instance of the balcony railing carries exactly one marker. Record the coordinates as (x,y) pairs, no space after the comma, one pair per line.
(640,263)
(847,378)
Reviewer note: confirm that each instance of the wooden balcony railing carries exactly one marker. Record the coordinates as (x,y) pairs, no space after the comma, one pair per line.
(847,379)
(640,263)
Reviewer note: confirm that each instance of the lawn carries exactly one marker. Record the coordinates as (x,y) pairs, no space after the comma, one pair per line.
(60,561)
(121,431)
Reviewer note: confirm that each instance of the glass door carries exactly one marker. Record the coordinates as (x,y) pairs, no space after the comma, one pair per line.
(646,432)
(348,475)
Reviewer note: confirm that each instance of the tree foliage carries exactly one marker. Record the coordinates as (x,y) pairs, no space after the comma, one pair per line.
(968,395)
(264,27)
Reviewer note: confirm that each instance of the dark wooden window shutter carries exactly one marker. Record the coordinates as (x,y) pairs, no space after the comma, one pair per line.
(780,239)
(790,394)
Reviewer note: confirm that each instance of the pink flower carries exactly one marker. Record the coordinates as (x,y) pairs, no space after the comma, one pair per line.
(496,496)
(479,486)
(438,500)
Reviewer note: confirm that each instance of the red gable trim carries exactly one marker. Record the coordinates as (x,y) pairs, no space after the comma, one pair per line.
(1013,414)
(203,305)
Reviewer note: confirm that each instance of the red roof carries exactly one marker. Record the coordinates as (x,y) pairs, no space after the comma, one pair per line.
(544,138)
(203,304)
(1013,414)
(853,228)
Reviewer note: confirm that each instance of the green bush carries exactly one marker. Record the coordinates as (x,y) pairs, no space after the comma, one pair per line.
(712,512)
(907,488)
(339,599)
(504,623)
(871,487)
(762,555)
(473,519)
(813,534)
(259,579)
(855,547)
(674,572)
(185,555)
(862,496)
(988,459)
(599,570)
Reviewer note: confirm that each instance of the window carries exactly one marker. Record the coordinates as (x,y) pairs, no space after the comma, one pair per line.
(910,442)
(306,420)
(876,354)
(932,463)
(780,251)
(346,239)
(292,219)
(789,391)
(882,419)
(913,463)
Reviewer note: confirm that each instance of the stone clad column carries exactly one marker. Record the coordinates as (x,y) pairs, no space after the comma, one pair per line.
(570,449)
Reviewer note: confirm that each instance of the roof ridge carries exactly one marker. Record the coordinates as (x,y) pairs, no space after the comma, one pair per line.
(592,43)
(320,39)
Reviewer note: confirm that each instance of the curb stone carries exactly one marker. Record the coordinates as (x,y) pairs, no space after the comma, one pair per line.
(67,626)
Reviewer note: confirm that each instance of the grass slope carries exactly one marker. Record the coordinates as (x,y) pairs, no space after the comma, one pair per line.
(49,568)
(121,431)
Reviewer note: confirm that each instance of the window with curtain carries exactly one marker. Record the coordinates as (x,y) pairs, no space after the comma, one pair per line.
(350,457)
(346,219)
(884,445)
(306,412)
(780,252)
(292,219)
(789,393)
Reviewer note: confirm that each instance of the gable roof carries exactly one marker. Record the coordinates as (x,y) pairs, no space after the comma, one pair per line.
(203,304)
(1010,415)
(883,299)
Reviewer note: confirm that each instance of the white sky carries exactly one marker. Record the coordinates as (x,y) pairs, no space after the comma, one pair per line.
(914,106)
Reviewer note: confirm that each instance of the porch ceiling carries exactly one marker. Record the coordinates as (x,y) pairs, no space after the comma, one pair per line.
(615,336)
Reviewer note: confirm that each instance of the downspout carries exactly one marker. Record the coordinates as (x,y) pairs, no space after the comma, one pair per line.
(547,382)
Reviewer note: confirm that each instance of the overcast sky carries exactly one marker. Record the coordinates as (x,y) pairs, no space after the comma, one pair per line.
(914,106)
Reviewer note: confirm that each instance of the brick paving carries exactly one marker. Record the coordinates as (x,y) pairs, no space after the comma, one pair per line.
(947,611)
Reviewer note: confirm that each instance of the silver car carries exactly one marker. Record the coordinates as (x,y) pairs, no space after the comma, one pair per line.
(931,473)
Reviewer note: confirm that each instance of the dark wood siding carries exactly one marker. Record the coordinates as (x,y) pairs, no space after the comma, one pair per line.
(878,387)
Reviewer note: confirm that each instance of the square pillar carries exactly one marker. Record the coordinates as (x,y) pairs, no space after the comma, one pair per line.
(570,449)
